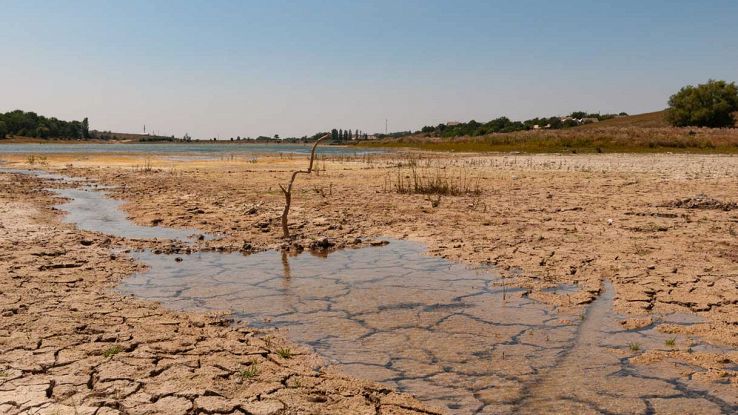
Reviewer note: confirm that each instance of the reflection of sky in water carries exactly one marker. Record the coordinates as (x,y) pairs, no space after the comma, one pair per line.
(390,313)
(92,210)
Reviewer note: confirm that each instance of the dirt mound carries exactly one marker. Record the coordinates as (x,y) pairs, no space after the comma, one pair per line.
(701,201)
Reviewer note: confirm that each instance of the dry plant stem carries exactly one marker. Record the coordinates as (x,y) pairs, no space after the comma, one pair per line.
(288,191)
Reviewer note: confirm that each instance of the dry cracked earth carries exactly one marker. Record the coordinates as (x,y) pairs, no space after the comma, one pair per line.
(662,228)
(70,345)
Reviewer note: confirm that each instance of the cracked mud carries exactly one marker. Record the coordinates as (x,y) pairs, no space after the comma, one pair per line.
(661,340)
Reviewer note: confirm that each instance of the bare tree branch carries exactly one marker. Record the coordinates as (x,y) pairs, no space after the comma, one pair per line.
(288,191)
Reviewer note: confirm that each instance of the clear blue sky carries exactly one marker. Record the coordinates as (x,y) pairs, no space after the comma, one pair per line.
(248,68)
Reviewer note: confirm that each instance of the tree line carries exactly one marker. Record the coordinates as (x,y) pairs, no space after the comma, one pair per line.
(506,125)
(30,124)
(341,135)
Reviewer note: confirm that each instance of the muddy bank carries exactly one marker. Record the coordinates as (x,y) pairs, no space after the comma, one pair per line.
(70,345)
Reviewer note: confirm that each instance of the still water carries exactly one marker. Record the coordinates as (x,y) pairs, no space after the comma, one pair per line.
(203,149)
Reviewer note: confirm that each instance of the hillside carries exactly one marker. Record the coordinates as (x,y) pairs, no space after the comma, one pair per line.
(648,120)
(630,134)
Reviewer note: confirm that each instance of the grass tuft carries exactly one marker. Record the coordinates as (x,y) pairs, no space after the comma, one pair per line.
(634,347)
(411,178)
(112,351)
(250,372)
(285,353)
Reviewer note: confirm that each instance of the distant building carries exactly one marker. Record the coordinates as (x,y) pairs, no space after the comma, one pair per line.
(589,120)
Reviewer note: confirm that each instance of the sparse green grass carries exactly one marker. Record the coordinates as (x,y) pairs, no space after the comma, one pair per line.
(634,347)
(670,342)
(594,139)
(250,372)
(112,351)
(3,373)
(285,353)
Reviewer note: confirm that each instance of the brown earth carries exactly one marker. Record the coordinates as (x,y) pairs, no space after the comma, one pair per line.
(542,220)
(70,345)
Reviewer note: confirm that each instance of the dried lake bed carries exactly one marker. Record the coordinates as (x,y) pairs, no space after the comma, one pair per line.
(468,338)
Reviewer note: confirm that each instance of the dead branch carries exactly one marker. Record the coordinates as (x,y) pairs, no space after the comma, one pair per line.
(288,191)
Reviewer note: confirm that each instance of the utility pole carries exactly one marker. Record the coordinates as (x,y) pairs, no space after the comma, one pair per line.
(385,126)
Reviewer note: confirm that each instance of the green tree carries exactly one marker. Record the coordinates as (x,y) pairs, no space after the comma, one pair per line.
(350,135)
(86,128)
(706,105)
(334,135)
(3,129)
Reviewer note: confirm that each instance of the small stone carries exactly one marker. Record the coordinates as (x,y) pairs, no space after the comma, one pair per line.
(323,243)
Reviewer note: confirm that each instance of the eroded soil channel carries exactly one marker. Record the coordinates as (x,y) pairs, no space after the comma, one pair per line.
(450,335)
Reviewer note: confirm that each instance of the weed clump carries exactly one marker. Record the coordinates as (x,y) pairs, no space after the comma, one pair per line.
(285,353)
(411,178)
(112,351)
(250,372)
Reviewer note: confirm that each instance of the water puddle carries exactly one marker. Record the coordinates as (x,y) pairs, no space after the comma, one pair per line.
(391,314)
(90,209)
(451,335)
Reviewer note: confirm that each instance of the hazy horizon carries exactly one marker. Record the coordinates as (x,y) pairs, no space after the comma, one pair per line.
(248,69)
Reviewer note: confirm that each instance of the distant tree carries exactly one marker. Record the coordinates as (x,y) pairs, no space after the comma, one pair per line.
(340,134)
(276,136)
(555,122)
(334,134)
(578,115)
(3,129)
(706,105)
(623,114)
(350,135)
(86,128)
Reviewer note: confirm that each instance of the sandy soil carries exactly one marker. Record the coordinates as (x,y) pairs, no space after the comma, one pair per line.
(637,220)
